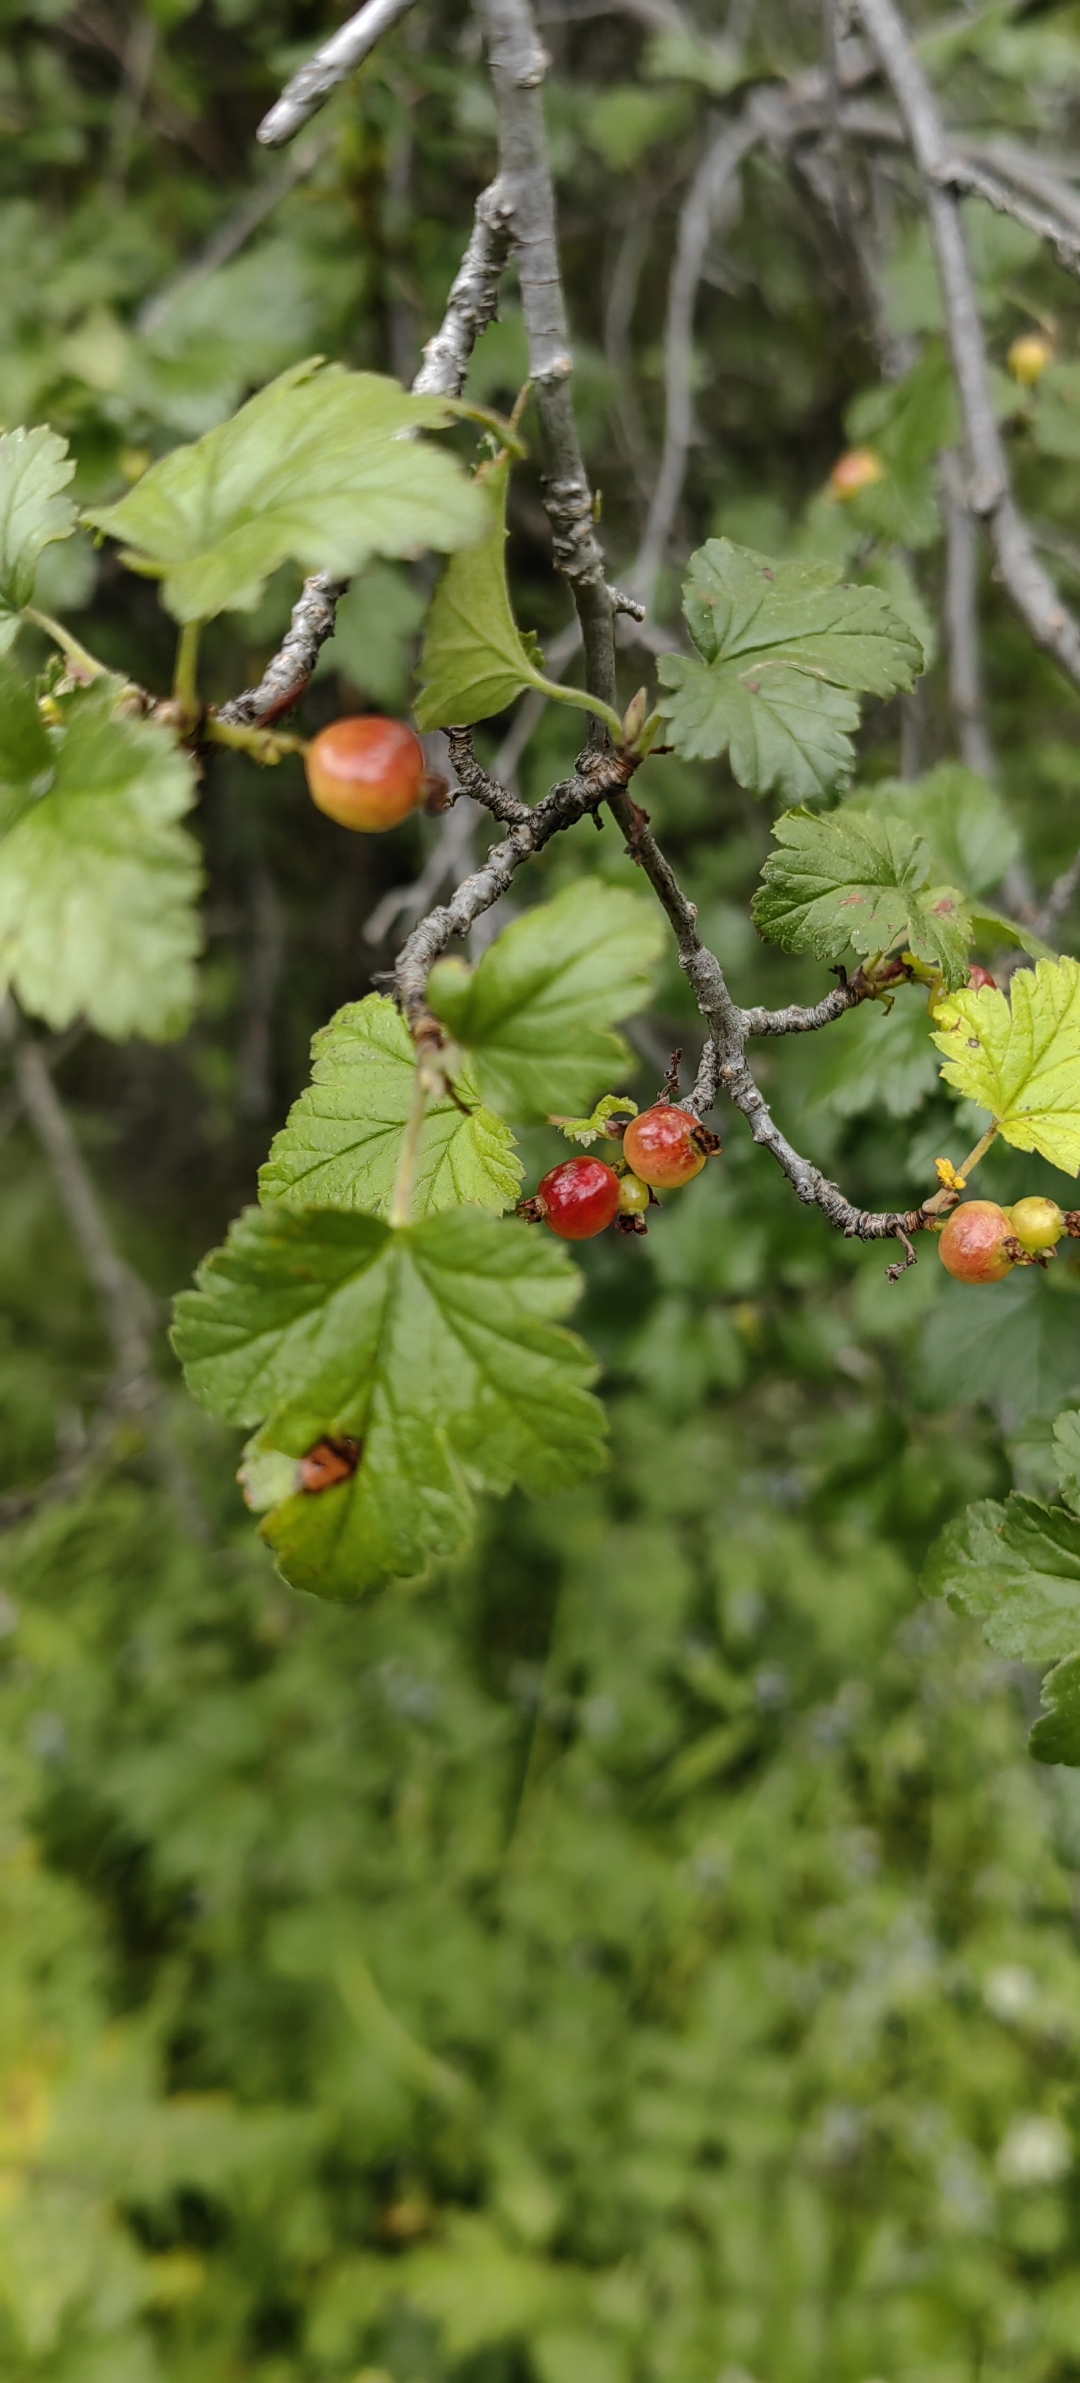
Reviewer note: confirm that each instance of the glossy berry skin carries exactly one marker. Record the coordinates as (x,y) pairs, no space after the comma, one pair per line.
(366,773)
(665,1146)
(972,1245)
(633,1196)
(853,472)
(579,1199)
(1037,1223)
(979,978)
(1028,358)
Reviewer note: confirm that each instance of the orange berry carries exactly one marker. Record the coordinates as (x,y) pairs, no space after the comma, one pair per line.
(665,1146)
(853,472)
(972,1245)
(366,773)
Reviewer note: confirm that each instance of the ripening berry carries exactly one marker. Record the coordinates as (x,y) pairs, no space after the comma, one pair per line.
(972,1245)
(366,773)
(979,978)
(578,1199)
(1037,1223)
(1028,358)
(633,1196)
(853,472)
(665,1146)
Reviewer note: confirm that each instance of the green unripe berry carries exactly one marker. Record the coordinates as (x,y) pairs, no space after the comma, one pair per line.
(633,1195)
(1037,1223)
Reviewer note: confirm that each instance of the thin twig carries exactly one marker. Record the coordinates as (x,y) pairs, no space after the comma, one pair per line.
(126,1306)
(313,83)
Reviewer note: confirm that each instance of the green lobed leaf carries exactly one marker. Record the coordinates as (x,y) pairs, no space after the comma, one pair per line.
(319,469)
(35,469)
(1019,1057)
(856,878)
(475,660)
(437,1347)
(1056,1735)
(536,1015)
(340,1143)
(1016,1568)
(97,878)
(785,650)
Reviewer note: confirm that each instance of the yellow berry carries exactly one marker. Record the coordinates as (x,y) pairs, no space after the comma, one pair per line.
(1028,358)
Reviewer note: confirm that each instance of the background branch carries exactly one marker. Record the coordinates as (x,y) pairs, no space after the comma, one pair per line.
(338,58)
(989,494)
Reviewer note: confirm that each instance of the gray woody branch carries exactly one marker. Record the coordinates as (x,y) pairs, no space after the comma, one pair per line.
(470,307)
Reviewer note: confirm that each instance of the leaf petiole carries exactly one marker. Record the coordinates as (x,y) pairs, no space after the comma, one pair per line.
(83,665)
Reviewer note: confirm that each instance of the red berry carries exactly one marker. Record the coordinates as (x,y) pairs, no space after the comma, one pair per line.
(578,1199)
(665,1146)
(972,1245)
(366,773)
(979,978)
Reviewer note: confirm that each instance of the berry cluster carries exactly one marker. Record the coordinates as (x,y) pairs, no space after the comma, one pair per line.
(662,1149)
(981,1243)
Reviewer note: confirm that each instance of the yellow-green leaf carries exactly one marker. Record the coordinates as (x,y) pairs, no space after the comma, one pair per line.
(1019,1057)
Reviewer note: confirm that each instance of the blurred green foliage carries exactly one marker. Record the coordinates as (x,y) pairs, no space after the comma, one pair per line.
(647,1951)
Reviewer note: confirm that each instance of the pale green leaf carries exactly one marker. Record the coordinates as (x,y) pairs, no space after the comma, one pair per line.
(321,468)
(97,878)
(1019,1057)
(856,878)
(436,1348)
(536,1015)
(785,651)
(339,1146)
(35,469)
